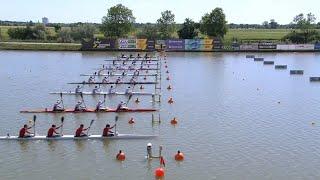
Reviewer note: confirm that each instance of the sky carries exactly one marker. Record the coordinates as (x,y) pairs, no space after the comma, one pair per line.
(237,11)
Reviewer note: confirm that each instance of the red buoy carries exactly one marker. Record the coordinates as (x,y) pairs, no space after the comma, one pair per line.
(170,101)
(159,172)
(174,121)
(121,156)
(137,100)
(179,156)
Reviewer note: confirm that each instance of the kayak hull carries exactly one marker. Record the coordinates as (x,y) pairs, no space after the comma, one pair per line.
(104,93)
(71,137)
(89,111)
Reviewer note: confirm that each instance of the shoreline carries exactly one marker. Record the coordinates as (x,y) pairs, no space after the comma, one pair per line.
(36,46)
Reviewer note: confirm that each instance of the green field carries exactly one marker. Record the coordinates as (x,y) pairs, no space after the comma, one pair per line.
(40,46)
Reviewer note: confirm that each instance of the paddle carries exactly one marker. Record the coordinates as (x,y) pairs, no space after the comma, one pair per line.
(104,99)
(34,125)
(115,124)
(61,127)
(81,95)
(130,96)
(90,126)
(61,100)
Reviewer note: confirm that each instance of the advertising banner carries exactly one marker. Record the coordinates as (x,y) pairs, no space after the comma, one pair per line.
(267,46)
(317,46)
(175,44)
(141,44)
(295,47)
(198,44)
(249,47)
(127,43)
(235,46)
(160,44)
(304,47)
(104,44)
(151,44)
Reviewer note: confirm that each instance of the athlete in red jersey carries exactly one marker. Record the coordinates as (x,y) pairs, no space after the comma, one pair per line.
(80,131)
(52,131)
(107,131)
(24,133)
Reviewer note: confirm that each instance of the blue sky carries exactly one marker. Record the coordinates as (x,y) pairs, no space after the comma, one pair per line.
(237,11)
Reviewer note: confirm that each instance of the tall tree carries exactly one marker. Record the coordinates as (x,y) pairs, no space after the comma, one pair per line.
(214,24)
(265,24)
(273,24)
(83,31)
(118,22)
(188,30)
(166,24)
(149,31)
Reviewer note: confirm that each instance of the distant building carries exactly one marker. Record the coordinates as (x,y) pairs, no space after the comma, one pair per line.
(45,20)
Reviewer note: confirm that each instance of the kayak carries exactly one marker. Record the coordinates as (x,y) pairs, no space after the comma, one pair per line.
(118,75)
(104,93)
(71,137)
(113,83)
(89,110)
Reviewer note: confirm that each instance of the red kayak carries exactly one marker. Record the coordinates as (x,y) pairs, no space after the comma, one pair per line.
(88,110)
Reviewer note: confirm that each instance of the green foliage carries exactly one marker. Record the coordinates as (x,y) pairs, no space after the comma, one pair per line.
(118,22)
(149,31)
(38,32)
(65,35)
(83,31)
(166,24)
(214,24)
(188,30)
(57,27)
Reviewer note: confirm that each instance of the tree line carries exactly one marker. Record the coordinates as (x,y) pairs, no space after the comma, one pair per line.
(119,22)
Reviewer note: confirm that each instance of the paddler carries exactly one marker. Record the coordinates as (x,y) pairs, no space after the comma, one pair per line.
(121,106)
(128,90)
(24,133)
(57,107)
(80,131)
(100,105)
(105,80)
(131,56)
(79,106)
(96,90)
(111,90)
(138,56)
(107,131)
(78,89)
(91,79)
(52,131)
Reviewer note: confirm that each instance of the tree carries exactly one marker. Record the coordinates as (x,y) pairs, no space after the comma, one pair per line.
(83,31)
(214,24)
(57,27)
(273,24)
(64,35)
(149,31)
(166,24)
(188,30)
(265,24)
(118,22)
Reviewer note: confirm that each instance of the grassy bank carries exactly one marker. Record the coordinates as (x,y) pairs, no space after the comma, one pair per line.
(40,46)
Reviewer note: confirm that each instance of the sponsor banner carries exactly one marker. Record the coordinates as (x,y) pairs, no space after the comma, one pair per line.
(104,44)
(151,44)
(160,44)
(141,44)
(267,46)
(249,47)
(304,47)
(317,46)
(175,44)
(198,44)
(295,47)
(235,46)
(127,43)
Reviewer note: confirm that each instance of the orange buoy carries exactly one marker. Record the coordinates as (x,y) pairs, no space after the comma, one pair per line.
(174,121)
(169,87)
(170,101)
(159,172)
(168,78)
(131,121)
(121,156)
(179,156)
(141,87)
(137,100)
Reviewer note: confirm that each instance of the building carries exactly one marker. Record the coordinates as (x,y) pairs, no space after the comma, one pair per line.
(45,21)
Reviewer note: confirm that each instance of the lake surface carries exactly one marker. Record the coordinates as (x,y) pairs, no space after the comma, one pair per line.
(238,119)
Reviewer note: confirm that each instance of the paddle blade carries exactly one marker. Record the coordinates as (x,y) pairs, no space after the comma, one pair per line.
(91,122)
(62,119)
(116,119)
(34,118)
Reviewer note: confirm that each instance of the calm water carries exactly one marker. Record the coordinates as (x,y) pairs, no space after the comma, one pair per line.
(238,119)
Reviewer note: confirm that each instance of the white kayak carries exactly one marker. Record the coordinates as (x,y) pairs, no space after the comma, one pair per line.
(71,137)
(120,75)
(104,93)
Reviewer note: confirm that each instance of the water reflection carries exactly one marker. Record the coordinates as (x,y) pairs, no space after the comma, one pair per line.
(80,144)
